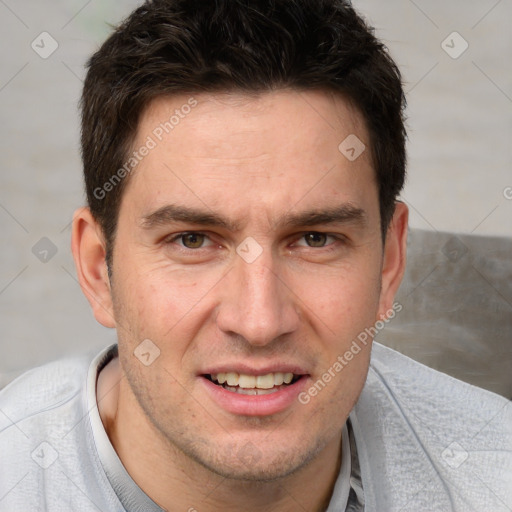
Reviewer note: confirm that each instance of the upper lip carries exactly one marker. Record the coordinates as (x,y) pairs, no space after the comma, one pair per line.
(245,369)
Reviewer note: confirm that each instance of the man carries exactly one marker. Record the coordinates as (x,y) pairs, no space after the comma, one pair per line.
(243,236)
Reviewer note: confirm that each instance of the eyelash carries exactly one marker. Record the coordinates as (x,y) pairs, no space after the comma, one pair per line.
(337,239)
(183,234)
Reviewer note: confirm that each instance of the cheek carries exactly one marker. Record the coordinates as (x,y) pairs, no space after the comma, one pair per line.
(345,299)
(159,301)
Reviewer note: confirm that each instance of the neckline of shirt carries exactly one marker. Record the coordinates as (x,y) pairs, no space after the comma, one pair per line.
(133,498)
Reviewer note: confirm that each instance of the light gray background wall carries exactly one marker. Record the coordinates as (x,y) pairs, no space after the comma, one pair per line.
(460,126)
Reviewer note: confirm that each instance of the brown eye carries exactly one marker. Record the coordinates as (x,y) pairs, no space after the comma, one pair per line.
(193,240)
(315,239)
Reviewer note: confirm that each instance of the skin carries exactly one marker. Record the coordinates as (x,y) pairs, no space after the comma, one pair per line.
(250,159)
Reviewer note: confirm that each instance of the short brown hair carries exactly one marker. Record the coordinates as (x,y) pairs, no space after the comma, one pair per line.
(167,47)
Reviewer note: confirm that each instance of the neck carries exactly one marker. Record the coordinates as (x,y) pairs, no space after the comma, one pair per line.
(176,482)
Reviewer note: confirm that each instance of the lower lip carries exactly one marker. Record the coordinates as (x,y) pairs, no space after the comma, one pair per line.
(254,405)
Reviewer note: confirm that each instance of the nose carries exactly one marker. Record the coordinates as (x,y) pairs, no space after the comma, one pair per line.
(257,304)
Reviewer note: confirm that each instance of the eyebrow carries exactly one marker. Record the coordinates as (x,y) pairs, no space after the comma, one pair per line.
(172,213)
(343,214)
(175,213)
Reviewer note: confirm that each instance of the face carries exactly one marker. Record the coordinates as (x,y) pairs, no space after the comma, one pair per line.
(248,251)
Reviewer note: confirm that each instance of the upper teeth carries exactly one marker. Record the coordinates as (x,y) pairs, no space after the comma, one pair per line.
(267,381)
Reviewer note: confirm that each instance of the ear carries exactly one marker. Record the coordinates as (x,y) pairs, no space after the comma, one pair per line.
(88,248)
(394,259)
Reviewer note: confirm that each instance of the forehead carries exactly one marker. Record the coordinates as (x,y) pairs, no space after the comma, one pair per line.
(235,151)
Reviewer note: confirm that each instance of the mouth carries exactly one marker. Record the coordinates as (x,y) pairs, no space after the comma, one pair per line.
(244,384)
(242,390)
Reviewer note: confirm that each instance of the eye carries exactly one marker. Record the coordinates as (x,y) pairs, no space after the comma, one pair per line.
(190,240)
(317,239)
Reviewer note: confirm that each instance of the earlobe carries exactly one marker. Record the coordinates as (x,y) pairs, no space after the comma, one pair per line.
(88,249)
(395,256)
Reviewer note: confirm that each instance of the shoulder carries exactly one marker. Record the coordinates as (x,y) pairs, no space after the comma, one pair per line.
(435,440)
(47,448)
(43,388)
(40,405)
(403,380)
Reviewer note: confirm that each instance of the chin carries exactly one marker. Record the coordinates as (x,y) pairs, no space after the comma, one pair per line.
(264,471)
(246,462)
